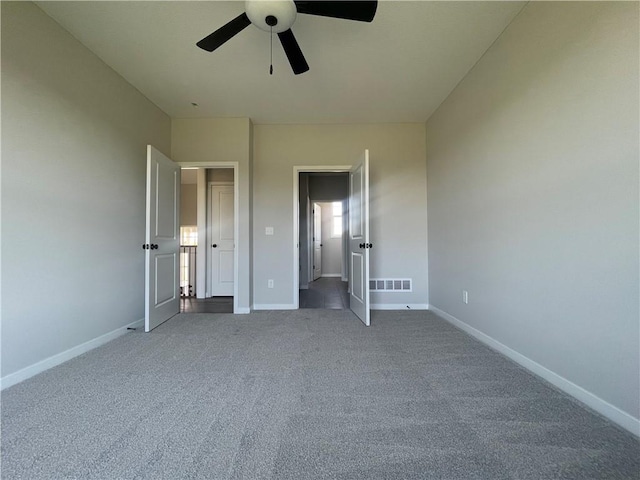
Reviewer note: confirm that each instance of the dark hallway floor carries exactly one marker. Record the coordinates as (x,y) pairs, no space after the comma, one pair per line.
(206,305)
(326,292)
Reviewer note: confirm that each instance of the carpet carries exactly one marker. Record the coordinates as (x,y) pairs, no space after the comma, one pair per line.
(306,394)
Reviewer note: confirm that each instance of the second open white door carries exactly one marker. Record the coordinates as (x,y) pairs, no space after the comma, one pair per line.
(359,243)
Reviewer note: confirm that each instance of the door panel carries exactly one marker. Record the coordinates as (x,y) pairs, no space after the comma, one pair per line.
(225,199)
(359,244)
(357,267)
(162,238)
(164,278)
(226,268)
(222,239)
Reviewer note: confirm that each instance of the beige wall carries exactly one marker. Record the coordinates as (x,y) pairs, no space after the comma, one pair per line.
(188,205)
(74,138)
(398,199)
(222,140)
(220,175)
(533,199)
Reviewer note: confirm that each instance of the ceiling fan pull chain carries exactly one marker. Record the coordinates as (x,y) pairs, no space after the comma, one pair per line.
(271,66)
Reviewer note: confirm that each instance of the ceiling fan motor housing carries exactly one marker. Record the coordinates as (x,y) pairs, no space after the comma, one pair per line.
(284,11)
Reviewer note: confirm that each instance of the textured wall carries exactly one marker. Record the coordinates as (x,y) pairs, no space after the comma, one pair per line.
(533,195)
(222,140)
(398,201)
(74,138)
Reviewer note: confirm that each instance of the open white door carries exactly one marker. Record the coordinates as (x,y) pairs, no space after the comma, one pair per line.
(162,240)
(317,241)
(359,238)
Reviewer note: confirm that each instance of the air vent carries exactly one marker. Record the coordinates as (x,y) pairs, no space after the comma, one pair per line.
(390,285)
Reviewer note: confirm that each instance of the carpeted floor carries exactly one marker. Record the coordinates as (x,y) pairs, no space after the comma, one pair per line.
(307,394)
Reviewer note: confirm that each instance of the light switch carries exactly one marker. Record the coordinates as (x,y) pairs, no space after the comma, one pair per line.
(268,231)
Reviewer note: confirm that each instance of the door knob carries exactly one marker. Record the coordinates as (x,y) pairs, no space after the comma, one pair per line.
(362,245)
(215,245)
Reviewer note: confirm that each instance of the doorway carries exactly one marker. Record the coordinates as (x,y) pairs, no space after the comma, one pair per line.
(208,231)
(322,239)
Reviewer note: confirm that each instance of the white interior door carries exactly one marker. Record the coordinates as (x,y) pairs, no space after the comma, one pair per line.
(317,241)
(222,240)
(359,244)
(162,240)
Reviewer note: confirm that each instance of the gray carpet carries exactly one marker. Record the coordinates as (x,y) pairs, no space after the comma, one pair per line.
(308,394)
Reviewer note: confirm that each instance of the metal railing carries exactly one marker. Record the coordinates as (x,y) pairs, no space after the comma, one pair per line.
(187,271)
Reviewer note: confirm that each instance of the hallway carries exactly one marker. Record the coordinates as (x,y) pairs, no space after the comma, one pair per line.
(326,292)
(206,305)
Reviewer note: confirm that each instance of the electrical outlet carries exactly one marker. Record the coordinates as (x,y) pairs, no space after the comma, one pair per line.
(465,296)
(270,283)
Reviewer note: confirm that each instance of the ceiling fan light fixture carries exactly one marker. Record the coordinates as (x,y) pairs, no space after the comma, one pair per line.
(284,11)
(277,16)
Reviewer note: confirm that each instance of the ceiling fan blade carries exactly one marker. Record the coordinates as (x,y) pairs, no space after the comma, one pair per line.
(294,54)
(362,11)
(224,33)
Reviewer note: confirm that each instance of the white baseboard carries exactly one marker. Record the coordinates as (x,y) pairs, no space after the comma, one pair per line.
(242,311)
(399,306)
(303,287)
(274,306)
(601,406)
(331,275)
(39,367)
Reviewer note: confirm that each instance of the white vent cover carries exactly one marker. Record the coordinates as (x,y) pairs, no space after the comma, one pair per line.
(390,285)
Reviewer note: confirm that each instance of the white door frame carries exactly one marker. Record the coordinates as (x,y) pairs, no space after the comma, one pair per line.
(236,216)
(297,170)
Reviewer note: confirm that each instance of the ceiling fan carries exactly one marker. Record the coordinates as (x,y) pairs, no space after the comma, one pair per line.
(277,16)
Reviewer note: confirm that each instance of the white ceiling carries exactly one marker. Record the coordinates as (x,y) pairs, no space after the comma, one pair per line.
(398,68)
